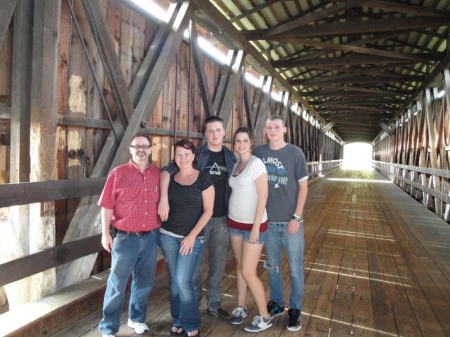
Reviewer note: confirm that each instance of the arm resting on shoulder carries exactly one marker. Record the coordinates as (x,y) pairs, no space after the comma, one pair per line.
(163,207)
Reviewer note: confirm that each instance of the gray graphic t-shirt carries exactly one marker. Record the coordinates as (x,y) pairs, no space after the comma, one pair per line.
(285,167)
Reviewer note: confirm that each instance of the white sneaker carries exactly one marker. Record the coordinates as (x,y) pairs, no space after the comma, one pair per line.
(259,324)
(139,328)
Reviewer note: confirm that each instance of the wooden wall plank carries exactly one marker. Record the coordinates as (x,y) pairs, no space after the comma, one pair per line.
(99,27)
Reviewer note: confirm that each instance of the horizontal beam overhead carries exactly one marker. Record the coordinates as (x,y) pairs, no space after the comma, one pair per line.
(372,26)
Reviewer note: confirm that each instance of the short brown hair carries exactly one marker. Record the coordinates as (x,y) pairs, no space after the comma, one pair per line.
(276,117)
(185,144)
(212,119)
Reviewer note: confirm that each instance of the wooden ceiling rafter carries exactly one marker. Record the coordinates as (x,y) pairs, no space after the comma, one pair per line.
(334,52)
(353,28)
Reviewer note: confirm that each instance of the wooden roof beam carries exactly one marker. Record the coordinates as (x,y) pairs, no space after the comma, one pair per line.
(327,94)
(366,101)
(318,81)
(422,57)
(254,9)
(211,19)
(303,20)
(336,89)
(340,61)
(372,26)
(399,7)
(350,107)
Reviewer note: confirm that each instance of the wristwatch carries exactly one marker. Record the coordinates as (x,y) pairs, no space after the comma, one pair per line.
(297,218)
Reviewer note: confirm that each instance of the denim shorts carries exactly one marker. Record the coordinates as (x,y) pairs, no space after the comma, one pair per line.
(246,235)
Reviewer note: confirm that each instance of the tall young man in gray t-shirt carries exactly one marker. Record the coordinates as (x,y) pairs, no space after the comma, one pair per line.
(288,188)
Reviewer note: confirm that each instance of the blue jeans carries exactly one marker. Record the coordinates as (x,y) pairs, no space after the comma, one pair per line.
(183,302)
(136,256)
(216,238)
(293,244)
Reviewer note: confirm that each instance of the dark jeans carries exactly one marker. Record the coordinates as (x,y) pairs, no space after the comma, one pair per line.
(216,236)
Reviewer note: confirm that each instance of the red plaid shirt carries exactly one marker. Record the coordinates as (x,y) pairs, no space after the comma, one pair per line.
(133,196)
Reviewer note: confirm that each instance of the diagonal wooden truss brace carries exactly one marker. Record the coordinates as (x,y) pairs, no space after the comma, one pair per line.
(6,12)
(86,220)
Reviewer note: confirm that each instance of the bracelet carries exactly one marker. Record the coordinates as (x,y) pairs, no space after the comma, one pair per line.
(297,218)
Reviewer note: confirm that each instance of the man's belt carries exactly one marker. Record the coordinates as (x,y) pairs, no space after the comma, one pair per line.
(115,230)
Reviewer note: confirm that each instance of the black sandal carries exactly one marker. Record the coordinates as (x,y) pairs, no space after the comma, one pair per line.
(177,331)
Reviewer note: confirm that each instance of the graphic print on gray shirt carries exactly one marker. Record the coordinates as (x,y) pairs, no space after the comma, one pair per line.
(285,167)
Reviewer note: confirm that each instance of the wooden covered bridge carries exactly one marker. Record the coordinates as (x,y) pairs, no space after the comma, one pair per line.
(80,77)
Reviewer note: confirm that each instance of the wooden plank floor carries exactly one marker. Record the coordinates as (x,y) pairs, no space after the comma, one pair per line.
(377,263)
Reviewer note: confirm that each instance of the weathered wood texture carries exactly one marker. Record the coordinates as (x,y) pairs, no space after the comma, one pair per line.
(71,87)
(51,314)
(6,13)
(50,258)
(43,142)
(419,137)
(376,264)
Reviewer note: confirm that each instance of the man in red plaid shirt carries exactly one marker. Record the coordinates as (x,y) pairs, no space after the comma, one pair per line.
(130,227)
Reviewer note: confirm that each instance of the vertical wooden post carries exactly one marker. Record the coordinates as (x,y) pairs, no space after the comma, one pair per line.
(44,102)
(20,112)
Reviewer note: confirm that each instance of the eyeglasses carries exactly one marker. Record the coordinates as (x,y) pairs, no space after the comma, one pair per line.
(143,147)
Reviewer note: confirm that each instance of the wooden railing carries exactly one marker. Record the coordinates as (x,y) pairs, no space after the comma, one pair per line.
(321,168)
(427,185)
(27,193)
